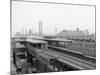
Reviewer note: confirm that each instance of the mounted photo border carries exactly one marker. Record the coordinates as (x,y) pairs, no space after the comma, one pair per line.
(46,3)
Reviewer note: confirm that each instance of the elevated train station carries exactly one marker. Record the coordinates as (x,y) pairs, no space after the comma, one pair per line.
(51,55)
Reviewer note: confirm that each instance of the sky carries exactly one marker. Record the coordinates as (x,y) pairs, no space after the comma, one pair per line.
(26,15)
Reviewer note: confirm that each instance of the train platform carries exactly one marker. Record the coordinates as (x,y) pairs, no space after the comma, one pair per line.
(72,51)
(79,54)
(73,61)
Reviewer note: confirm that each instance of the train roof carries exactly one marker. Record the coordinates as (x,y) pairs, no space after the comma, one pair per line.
(60,40)
(35,41)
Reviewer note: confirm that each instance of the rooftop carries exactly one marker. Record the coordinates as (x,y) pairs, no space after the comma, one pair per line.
(35,41)
(59,39)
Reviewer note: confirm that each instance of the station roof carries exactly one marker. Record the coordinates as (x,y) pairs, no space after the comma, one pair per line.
(19,36)
(51,36)
(35,37)
(35,41)
(61,40)
(17,40)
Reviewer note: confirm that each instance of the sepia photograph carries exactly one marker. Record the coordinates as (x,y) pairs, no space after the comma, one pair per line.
(52,37)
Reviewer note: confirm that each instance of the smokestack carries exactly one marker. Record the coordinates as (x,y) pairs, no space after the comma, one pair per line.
(40,28)
(55,30)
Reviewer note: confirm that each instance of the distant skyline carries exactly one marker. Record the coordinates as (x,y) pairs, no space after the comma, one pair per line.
(27,15)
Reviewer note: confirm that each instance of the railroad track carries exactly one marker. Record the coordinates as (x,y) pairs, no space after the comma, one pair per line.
(74,60)
(84,64)
(73,53)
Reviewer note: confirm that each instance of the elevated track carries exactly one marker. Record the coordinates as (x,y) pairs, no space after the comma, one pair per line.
(72,60)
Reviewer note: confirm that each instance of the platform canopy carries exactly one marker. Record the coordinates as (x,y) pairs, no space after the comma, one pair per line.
(19,40)
(35,37)
(35,41)
(60,40)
